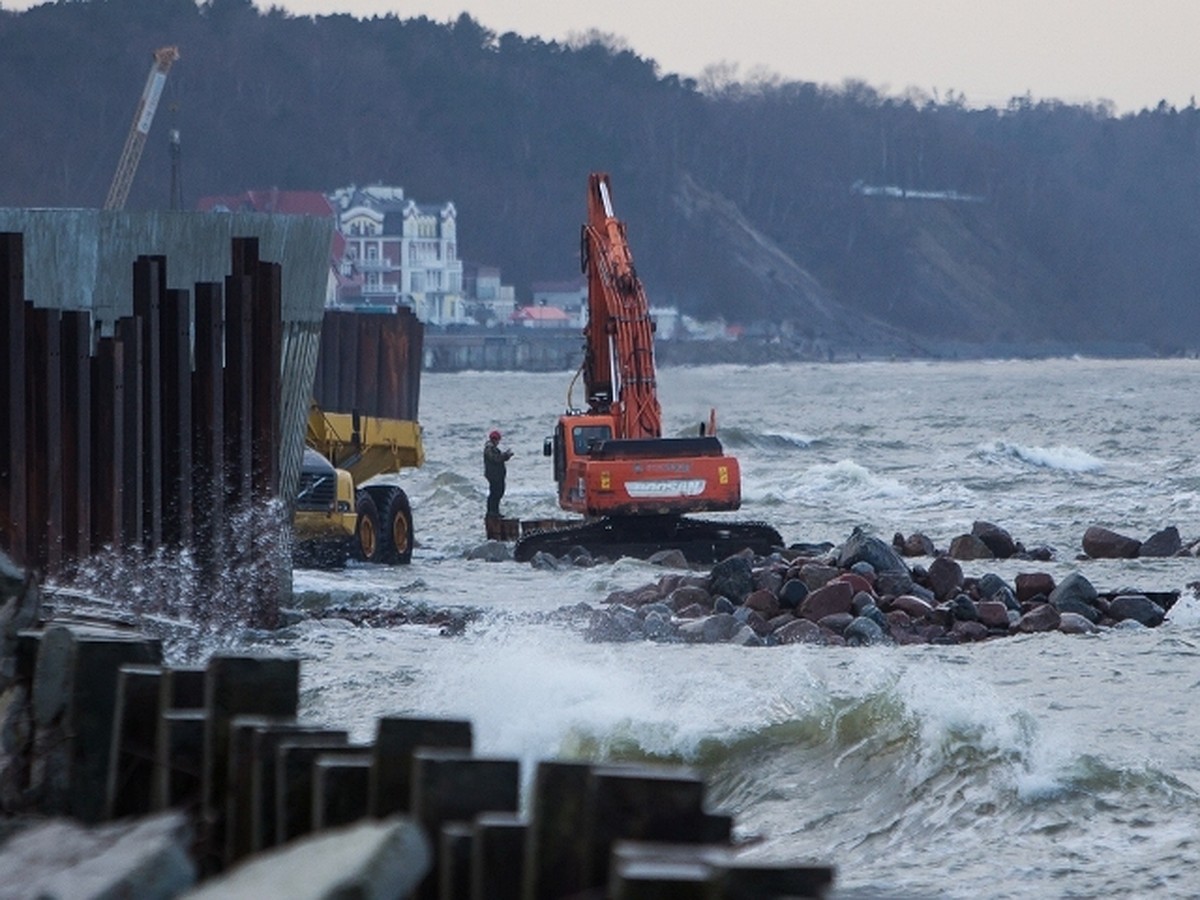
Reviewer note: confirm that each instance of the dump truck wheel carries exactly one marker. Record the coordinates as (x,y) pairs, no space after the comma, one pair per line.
(398,529)
(368,539)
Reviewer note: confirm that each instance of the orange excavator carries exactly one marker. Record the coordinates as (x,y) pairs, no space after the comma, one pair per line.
(611,462)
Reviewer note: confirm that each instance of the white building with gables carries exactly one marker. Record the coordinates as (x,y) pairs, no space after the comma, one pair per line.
(398,253)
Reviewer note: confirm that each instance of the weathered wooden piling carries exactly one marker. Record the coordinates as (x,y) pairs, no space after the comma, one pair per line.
(239,686)
(74,701)
(497,856)
(131,769)
(556,855)
(397,738)
(341,784)
(294,781)
(452,786)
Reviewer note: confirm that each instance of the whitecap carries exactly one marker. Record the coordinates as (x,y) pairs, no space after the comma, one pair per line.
(1061,457)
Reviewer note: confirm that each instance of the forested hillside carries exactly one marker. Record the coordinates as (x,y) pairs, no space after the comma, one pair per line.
(755,202)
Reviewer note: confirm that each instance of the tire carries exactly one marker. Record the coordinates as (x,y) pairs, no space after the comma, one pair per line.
(397,543)
(368,535)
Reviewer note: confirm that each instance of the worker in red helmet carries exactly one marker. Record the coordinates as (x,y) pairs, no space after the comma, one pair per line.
(494,469)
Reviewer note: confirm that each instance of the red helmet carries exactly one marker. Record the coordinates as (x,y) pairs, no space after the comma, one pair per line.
(494,436)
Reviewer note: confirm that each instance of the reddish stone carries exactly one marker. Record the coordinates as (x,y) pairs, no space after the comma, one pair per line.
(992,613)
(695,611)
(858,582)
(1100,543)
(685,596)
(1030,584)
(967,546)
(763,602)
(945,577)
(913,606)
(835,597)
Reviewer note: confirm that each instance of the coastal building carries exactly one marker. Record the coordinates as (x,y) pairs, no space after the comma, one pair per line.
(489,301)
(568,296)
(399,253)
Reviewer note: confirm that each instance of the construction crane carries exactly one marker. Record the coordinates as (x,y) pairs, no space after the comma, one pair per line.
(118,191)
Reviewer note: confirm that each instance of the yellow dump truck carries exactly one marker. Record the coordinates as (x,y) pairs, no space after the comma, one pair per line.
(337,514)
(368,364)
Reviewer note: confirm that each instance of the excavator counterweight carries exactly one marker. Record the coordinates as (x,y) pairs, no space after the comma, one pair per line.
(611,463)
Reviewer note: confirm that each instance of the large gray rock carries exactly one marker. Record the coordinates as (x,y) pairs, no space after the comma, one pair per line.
(147,859)
(492,551)
(732,578)
(371,860)
(1137,607)
(862,547)
(968,547)
(1076,587)
(998,540)
(1162,543)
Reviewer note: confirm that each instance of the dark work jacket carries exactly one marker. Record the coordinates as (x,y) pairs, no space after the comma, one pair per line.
(493,461)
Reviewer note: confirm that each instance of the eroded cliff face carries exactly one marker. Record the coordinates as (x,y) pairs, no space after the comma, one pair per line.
(915,274)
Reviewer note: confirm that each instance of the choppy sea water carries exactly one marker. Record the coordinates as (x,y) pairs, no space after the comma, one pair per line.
(1039,766)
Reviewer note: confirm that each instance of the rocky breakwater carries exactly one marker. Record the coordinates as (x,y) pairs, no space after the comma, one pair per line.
(861,593)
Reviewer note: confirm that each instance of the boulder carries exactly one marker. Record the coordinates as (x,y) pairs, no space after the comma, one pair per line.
(864,631)
(801,631)
(893,583)
(1162,543)
(686,595)
(835,597)
(1030,584)
(816,575)
(860,584)
(913,606)
(764,602)
(969,547)
(998,540)
(1077,607)
(723,605)
(1043,617)
(945,577)
(964,609)
(747,616)
(768,579)
(862,547)
(1074,586)
(732,578)
(792,593)
(989,585)
(915,544)
(837,623)
(1137,607)
(1073,623)
(1101,543)
(992,613)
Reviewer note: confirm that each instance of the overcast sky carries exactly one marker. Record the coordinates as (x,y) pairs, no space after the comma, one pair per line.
(1131,52)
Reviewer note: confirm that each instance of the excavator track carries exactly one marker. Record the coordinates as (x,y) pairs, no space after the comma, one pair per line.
(700,541)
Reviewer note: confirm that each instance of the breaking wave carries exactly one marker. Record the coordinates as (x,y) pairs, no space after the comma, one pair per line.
(1061,458)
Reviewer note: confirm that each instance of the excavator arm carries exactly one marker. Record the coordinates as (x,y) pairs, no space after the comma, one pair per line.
(618,370)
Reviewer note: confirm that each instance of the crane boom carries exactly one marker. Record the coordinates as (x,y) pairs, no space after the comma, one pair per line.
(143,116)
